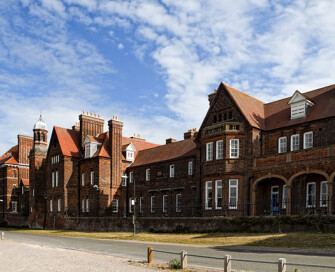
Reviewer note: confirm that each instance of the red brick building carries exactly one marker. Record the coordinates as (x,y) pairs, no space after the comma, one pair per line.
(14,176)
(268,158)
(248,158)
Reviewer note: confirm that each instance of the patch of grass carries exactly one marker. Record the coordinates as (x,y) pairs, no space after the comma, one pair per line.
(174,264)
(298,240)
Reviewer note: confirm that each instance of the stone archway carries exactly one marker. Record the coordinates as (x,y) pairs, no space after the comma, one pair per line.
(299,187)
(255,190)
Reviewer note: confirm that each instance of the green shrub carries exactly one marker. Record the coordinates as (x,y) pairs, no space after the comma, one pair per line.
(175,264)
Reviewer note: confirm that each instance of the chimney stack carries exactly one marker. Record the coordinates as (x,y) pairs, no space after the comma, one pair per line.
(170,140)
(115,148)
(190,133)
(89,125)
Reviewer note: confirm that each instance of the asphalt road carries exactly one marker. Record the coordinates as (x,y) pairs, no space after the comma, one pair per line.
(138,250)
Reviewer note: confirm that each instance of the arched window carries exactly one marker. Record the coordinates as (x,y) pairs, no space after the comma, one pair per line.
(43,137)
(38,136)
(14,174)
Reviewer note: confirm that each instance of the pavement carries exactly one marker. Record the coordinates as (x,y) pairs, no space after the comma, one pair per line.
(138,250)
(17,256)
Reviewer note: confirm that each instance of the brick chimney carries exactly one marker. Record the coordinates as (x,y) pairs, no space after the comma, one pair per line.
(76,126)
(115,149)
(90,125)
(25,145)
(170,140)
(190,133)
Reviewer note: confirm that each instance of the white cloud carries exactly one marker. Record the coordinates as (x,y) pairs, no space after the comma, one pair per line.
(120,46)
(268,49)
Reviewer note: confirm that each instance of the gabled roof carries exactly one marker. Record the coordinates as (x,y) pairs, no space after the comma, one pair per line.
(93,139)
(69,141)
(103,151)
(128,147)
(277,114)
(251,108)
(171,151)
(25,182)
(11,156)
(299,97)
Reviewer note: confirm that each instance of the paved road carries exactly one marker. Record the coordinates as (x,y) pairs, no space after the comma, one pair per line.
(137,250)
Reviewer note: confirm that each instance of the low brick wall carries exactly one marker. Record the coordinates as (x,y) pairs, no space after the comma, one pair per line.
(16,220)
(203,224)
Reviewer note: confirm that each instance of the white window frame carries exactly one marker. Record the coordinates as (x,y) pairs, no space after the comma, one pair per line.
(209,151)
(172,171)
(115,205)
(234,149)
(87,151)
(209,186)
(130,155)
(219,150)
(322,194)
(141,204)
(295,147)
(56,178)
(231,186)
(282,144)
(87,205)
(92,178)
(52,179)
(284,197)
(307,195)
(147,174)
(14,206)
(58,205)
(51,205)
(131,177)
(178,203)
(130,205)
(165,203)
(83,205)
(190,168)
(152,204)
(33,192)
(124,180)
(308,144)
(218,188)
(82,179)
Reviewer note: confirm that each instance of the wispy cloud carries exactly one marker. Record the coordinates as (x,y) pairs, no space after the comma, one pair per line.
(268,49)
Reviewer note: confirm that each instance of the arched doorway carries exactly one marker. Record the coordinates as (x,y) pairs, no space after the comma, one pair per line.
(269,196)
(310,193)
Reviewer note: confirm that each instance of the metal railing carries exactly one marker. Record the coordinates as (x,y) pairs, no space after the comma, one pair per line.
(227,260)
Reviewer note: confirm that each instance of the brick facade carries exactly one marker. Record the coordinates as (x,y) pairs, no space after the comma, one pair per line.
(248,158)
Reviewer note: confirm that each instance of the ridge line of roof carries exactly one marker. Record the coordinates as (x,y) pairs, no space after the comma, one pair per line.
(303,93)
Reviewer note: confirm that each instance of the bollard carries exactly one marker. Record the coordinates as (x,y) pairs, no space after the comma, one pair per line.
(183,259)
(227,263)
(282,265)
(150,254)
(2,235)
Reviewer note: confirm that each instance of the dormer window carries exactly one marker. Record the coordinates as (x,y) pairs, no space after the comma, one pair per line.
(299,106)
(91,146)
(298,110)
(130,156)
(129,152)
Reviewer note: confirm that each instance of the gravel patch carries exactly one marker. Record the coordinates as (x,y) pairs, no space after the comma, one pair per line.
(16,256)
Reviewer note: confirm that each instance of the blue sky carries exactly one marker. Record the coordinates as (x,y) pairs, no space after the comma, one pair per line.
(153,63)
